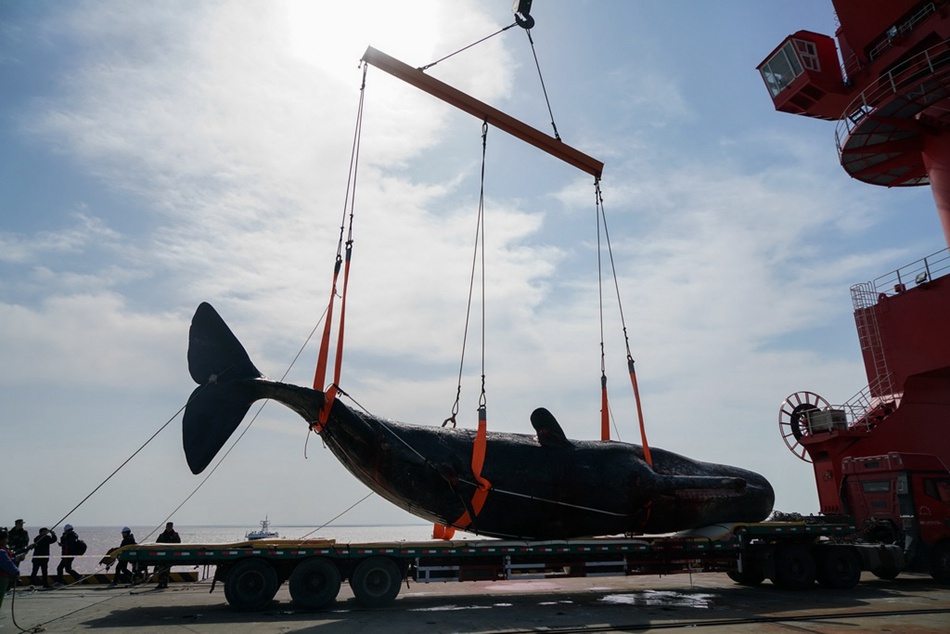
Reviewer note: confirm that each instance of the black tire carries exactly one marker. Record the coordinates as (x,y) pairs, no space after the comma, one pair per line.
(314,583)
(375,582)
(747,577)
(794,568)
(838,567)
(940,562)
(251,585)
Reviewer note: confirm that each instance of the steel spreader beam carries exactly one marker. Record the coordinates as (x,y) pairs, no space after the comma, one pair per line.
(483,111)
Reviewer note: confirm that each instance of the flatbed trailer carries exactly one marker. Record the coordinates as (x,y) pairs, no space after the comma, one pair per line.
(793,555)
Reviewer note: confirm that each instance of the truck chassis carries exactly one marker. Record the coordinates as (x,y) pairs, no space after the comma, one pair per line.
(793,555)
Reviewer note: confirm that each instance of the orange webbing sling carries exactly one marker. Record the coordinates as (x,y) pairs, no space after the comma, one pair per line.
(636,396)
(320,374)
(483,486)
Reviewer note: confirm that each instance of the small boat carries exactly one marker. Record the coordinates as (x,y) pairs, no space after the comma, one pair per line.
(263,533)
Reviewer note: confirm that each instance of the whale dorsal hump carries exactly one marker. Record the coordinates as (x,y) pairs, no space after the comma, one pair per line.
(549,431)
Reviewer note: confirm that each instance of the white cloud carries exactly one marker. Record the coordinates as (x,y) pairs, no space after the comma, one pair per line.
(25,249)
(92,340)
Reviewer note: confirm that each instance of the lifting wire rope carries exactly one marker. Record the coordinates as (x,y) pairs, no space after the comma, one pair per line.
(479,242)
(482,486)
(631,368)
(524,20)
(543,88)
(349,202)
(446,532)
(465,48)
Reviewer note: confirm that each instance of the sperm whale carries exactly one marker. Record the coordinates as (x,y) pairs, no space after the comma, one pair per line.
(526,486)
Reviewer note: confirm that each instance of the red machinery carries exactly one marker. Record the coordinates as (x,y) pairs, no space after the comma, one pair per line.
(891,98)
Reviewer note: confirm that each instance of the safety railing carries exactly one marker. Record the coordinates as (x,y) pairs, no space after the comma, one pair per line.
(899,280)
(898,30)
(932,63)
(878,399)
(863,411)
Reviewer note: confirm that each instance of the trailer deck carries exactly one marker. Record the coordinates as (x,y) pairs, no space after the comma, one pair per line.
(252,571)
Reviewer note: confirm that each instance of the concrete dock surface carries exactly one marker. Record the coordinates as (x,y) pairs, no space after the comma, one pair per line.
(711,602)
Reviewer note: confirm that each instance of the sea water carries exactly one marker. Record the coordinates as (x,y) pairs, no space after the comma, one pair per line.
(99,539)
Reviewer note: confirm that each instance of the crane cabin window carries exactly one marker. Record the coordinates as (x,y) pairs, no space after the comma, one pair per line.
(808,54)
(782,68)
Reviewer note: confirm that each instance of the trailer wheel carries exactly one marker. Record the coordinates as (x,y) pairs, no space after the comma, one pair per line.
(747,577)
(838,567)
(940,564)
(251,585)
(314,583)
(794,568)
(375,582)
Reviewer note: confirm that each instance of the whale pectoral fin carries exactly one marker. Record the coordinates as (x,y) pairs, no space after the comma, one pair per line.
(549,432)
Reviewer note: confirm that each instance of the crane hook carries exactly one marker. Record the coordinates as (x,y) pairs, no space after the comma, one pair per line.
(522,11)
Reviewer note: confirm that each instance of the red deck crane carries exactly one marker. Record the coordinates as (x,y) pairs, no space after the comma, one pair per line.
(890,94)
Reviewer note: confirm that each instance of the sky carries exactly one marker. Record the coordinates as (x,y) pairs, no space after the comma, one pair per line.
(157,155)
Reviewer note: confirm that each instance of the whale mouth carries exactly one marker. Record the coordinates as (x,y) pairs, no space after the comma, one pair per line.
(702,483)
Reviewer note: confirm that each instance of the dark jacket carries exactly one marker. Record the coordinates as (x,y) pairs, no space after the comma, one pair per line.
(41,544)
(18,540)
(68,543)
(127,540)
(168,537)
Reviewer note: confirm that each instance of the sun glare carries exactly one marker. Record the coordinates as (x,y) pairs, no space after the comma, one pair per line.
(334,35)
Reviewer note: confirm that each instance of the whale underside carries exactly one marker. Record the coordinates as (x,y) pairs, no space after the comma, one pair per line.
(541,486)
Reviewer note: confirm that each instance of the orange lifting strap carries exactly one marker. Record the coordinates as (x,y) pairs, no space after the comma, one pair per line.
(478,461)
(320,374)
(441,531)
(636,396)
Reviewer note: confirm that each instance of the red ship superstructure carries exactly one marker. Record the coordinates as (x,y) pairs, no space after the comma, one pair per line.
(890,93)
(891,96)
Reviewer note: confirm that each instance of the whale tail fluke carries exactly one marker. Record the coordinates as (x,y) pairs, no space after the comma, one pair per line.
(220,365)
(214,353)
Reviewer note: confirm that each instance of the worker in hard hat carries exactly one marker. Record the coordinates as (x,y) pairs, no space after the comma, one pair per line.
(122,569)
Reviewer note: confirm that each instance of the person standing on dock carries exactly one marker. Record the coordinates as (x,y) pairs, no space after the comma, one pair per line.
(69,543)
(41,544)
(18,539)
(9,573)
(168,536)
(122,568)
